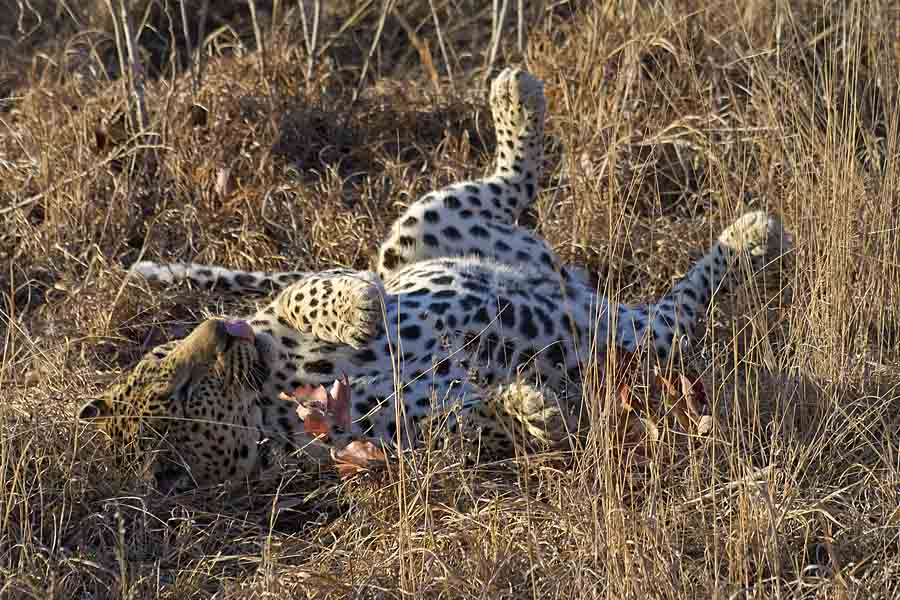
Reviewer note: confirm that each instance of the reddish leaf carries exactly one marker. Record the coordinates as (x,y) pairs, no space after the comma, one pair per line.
(694,394)
(338,403)
(316,423)
(358,457)
(625,396)
(322,409)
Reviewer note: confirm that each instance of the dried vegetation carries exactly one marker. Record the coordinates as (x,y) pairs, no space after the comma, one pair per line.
(666,119)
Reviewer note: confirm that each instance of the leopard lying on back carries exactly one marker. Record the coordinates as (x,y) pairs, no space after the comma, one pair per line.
(467,315)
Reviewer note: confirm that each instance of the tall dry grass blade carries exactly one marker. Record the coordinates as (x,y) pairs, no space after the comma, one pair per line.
(520,27)
(135,69)
(442,44)
(276,17)
(311,34)
(201,40)
(422,48)
(132,70)
(260,42)
(192,63)
(498,16)
(385,9)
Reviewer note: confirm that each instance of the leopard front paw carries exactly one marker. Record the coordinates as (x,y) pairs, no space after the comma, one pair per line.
(361,308)
(539,414)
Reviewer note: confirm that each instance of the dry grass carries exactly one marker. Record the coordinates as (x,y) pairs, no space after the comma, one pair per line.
(667,119)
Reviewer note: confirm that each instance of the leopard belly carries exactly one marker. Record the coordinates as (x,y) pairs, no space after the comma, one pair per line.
(450,323)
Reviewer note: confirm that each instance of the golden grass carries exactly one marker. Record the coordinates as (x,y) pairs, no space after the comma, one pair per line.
(667,119)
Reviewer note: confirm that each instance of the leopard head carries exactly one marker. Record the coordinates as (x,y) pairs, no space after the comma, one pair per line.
(187,414)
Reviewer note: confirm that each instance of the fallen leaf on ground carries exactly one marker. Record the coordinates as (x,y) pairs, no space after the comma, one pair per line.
(648,397)
(359,456)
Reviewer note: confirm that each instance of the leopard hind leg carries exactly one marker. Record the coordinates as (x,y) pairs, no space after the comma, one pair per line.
(478,217)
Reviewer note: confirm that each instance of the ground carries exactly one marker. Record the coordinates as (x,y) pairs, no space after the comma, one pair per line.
(665,121)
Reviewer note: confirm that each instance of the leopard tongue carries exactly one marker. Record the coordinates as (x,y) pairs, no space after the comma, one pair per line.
(240,329)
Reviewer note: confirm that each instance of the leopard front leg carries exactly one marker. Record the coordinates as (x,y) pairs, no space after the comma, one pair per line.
(337,306)
(497,422)
(521,417)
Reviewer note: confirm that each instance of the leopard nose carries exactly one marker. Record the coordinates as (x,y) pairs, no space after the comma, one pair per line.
(239,329)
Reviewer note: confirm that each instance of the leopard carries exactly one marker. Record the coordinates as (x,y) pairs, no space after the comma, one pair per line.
(468,321)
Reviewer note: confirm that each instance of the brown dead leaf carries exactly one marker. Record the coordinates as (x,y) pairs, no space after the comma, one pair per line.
(647,398)
(359,456)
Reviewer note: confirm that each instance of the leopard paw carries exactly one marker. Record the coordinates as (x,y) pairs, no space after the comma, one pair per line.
(361,305)
(538,413)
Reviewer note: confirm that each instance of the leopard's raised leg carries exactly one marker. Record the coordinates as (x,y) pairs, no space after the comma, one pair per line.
(663,326)
(478,217)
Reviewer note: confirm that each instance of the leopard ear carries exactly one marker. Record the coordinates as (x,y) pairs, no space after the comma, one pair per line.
(94,409)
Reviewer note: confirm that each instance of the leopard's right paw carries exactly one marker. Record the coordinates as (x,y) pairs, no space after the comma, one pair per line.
(361,305)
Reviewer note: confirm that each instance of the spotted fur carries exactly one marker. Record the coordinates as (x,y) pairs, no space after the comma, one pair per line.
(467,317)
